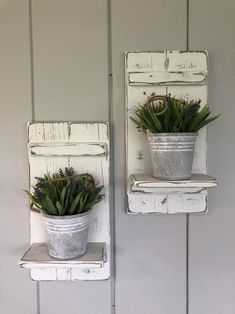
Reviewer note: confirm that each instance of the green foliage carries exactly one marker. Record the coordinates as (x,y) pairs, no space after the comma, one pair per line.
(65,193)
(179,116)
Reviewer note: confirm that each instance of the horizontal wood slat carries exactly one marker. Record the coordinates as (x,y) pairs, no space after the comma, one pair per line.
(196,181)
(183,74)
(71,149)
(171,201)
(167,78)
(85,148)
(37,256)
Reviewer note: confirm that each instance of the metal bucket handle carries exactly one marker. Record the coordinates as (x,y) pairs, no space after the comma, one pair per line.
(158,97)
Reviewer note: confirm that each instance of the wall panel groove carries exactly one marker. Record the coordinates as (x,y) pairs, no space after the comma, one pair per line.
(33,110)
(112,170)
(64,60)
(31,58)
(71,67)
(17,292)
(212,236)
(187,215)
(150,250)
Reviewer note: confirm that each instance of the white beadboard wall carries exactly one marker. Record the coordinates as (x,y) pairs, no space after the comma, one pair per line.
(63,74)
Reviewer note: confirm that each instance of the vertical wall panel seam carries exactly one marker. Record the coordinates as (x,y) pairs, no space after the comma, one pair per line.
(112,171)
(187,263)
(31,59)
(187,25)
(33,112)
(187,215)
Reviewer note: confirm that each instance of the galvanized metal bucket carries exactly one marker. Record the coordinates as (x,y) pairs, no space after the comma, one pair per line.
(172,154)
(67,235)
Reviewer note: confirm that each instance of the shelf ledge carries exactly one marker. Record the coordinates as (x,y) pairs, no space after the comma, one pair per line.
(37,257)
(141,181)
(148,195)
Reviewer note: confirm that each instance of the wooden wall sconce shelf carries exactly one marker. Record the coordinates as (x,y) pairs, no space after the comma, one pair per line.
(182,74)
(85,147)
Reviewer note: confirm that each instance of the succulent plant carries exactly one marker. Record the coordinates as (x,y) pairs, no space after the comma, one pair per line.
(172,115)
(65,193)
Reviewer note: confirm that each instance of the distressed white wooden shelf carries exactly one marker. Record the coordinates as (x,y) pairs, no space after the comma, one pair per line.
(37,257)
(140,182)
(148,195)
(85,147)
(183,74)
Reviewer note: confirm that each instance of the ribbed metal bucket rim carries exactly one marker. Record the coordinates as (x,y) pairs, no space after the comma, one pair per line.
(173,134)
(67,216)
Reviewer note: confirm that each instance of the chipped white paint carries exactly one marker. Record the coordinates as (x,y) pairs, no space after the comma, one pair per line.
(37,257)
(196,181)
(71,149)
(146,61)
(85,147)
(164,78)
(187,61)
(183,74)
(168,201)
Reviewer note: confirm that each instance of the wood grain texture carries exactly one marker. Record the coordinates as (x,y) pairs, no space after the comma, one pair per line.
(187,61)
(17,291)
(37,256)
(212,238)
(169,197)
(192,69)
(71,149)
(196,181)
(167,78)
(51,148)
(66,88)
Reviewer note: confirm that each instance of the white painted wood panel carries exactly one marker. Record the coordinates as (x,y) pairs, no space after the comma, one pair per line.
(166,78)
(145,61)
(187,61)
(169,202)
(196,181)
(71,149)
(37,256)
(183,75)
(54,145)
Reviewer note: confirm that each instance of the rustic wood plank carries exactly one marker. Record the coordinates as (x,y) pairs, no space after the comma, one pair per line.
(85,273)
(50,152)
(89,132)
(37,256)
(197,180)
(167,78)
(168,202)
(48,132)
(146,61)
(187,61)
(188,68)
(71,149)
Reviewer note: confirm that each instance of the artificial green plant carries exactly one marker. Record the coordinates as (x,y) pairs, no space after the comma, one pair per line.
(172,115)
(65,193)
